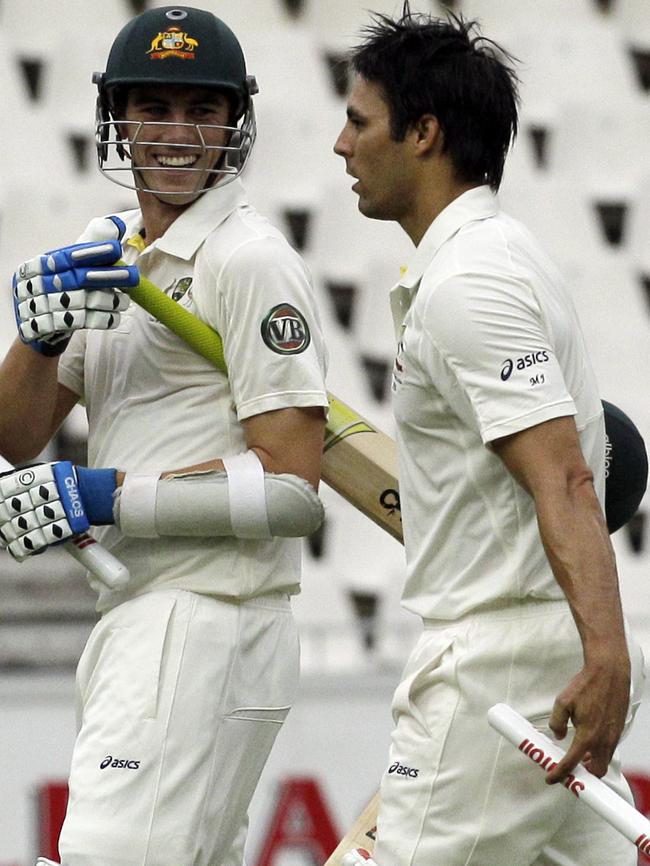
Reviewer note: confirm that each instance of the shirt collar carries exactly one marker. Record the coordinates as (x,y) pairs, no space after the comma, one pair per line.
(477,203)
(186,234)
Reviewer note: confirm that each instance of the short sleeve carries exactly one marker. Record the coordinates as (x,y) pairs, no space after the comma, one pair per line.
(498,357)
(264,308)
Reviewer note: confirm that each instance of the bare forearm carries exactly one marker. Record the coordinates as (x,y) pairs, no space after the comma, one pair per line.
(547,461)
(580,553)
(28,395)
(596,699)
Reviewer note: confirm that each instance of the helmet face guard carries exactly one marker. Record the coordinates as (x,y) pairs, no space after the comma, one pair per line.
(116,138)
(174,45)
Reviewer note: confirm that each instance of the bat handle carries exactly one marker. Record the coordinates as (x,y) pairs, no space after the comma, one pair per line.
(586,787)
(90,553)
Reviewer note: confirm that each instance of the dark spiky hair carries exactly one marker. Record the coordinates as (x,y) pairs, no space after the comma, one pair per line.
(445,67)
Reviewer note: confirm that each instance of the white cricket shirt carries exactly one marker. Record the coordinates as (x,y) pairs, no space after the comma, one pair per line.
(488,344)
(154,404)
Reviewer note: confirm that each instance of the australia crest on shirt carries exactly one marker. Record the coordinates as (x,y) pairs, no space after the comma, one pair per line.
(181,291)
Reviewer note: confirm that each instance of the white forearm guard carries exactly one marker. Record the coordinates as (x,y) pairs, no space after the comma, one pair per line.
(247,503)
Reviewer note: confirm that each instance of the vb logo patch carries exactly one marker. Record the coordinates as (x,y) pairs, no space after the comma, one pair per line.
(285,331)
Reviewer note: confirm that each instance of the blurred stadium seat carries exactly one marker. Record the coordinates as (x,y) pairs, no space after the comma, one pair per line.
(336,23)
(639,228)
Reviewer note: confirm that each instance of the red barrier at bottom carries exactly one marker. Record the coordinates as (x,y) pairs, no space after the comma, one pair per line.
(300,820)
(51,801)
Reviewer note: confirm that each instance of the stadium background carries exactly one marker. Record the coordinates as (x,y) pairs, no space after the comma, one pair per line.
(579,176)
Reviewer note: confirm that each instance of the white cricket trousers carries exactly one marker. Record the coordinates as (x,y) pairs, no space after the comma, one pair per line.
(455,792)
(180,697)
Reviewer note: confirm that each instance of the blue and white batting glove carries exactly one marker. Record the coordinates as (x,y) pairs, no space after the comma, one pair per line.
(44,504)
(71,288)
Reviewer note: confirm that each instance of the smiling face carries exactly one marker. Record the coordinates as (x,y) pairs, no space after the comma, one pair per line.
(380,164)
(175,136)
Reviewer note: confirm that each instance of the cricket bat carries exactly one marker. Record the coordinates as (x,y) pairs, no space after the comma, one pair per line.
(359,461)
(360,835)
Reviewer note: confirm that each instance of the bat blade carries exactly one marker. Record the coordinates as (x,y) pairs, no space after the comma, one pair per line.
(360,463)
(360,835)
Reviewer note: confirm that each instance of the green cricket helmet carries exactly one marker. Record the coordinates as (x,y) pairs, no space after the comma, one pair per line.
(174,45)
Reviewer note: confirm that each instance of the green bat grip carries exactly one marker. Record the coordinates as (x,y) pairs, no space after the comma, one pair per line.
(199,336)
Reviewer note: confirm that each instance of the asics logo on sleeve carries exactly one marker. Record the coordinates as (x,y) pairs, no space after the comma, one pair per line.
(522,363)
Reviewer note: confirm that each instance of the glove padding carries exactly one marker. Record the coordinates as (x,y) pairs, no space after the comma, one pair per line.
(45,504)
(66,289)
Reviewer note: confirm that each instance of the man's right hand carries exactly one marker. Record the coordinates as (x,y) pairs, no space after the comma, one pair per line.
(70,288)
(596,703)
(45,504)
